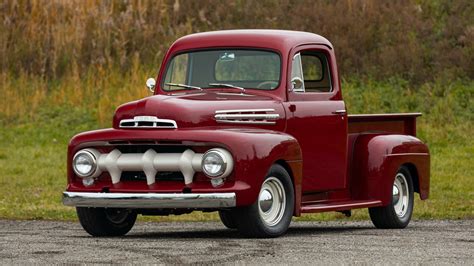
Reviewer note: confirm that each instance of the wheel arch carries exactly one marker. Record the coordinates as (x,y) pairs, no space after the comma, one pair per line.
(256,153)
(414,176)
(294,170)
(287,167)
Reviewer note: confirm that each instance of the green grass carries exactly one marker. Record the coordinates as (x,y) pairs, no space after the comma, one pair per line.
(33,150)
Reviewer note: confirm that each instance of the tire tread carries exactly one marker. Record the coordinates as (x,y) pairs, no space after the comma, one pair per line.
(227,218)
(248,221)
(95,222)
(385,217)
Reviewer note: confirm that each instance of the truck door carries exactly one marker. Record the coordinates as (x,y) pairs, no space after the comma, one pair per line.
(317,118)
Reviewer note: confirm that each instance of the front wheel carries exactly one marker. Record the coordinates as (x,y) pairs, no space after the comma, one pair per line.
(106,221)
(227,218)
(398,213)
(270,215)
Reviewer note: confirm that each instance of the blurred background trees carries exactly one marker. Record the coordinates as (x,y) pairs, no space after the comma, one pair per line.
(418,41)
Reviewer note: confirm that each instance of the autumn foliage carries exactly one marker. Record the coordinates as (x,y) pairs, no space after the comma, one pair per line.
(418,40)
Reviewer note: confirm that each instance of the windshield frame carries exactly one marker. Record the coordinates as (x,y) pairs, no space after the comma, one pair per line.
(180,52)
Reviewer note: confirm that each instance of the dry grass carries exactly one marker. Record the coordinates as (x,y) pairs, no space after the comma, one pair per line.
(92,47)
(99,91)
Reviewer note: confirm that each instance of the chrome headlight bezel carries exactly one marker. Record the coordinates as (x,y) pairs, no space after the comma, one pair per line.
(227,163)
(94,163)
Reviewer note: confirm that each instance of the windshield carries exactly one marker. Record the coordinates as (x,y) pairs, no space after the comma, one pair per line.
(248,69)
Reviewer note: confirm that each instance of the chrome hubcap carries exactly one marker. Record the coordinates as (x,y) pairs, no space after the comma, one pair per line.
(265,200)
(272,201)
(400,195)
(395,194)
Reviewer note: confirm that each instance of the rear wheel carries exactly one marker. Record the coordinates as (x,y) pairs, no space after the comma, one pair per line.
(106,221)
(398,213)
(271,214)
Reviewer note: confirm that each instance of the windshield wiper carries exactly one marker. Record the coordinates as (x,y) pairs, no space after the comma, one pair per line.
(226,85)
(184,86)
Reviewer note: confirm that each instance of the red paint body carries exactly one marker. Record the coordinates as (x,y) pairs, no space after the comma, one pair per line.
(337,162)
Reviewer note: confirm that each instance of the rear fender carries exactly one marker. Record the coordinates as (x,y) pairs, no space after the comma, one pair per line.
(376,160)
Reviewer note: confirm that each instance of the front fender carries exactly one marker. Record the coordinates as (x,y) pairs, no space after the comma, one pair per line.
(377,158)
(254,151)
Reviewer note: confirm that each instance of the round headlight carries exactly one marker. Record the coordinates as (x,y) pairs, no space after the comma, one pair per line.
(214,163)
(84,163)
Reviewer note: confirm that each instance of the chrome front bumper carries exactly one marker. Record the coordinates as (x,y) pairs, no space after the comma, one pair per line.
(149,200)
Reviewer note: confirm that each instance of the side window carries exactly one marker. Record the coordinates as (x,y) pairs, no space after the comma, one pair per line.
(312,68)
(297,74)
(178,71)
(316,72)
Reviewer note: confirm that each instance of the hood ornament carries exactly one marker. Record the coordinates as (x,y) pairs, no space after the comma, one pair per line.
(148,122)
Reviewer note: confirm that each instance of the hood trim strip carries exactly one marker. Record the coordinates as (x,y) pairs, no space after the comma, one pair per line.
(244,111)
(247,116)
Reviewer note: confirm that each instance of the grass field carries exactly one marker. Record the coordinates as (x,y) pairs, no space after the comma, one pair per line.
(33,144)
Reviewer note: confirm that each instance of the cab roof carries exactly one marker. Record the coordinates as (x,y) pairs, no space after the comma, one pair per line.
(281,40)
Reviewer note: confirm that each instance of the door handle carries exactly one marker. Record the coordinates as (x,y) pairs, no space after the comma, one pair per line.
(339,112)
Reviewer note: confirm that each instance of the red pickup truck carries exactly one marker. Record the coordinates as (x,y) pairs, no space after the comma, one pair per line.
(252,124)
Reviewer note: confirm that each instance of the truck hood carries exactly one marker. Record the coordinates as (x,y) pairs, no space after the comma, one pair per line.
(200,110)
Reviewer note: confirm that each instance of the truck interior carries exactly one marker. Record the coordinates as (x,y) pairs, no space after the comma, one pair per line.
(316,72)
(230,66)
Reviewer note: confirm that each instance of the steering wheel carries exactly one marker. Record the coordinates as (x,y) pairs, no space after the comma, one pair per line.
(274,83)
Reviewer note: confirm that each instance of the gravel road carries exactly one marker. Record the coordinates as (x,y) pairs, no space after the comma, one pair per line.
(424,242)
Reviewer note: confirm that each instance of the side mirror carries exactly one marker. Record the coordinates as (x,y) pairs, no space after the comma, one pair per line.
(296,83)
(150,84)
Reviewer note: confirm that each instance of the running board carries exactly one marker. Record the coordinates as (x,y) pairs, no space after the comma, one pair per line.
(340,206)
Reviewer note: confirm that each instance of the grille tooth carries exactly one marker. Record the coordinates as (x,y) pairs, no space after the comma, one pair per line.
(149,163)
